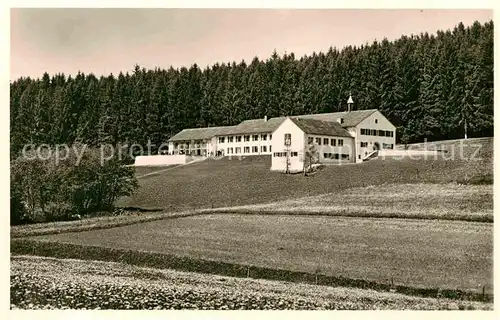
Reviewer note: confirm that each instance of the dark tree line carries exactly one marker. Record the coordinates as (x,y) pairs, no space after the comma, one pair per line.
(429,86)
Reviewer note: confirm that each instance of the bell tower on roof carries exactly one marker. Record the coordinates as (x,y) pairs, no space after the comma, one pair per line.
(350,102)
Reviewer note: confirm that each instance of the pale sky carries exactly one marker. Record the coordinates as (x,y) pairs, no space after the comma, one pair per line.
(104,41)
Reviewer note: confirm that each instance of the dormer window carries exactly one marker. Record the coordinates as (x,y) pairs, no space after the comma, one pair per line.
(341,120)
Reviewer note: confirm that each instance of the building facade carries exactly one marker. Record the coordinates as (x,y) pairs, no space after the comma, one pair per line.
(340,137)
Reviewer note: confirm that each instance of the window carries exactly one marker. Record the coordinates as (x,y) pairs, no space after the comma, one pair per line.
(264,137)
(359,156)
(325,141)
(255,149)
(363,131)
(288,139)
(364,144)
(229,150)
(294,154)
(318,141)
(341,120)
(374,132)
(270,137)
(279,154)
(247,138)
(333,156)
(255,137)
(270,148)
(310,140)
(263,148)
(381,133)
(387,146)
(221,139)
(230,139)
(376,120)
(238,138)
(246,150)
(392,133)
(333,142)
(238,150)
(345,157)
(341,142)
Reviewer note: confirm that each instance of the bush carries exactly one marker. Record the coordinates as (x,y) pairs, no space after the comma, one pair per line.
(48,188)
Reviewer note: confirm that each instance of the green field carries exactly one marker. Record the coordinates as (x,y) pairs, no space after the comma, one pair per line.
(233,182)
(46,283)
(417,253)
(423,201)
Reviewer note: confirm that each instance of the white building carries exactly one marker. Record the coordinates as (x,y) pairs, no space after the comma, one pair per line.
(297,138)
(340,137)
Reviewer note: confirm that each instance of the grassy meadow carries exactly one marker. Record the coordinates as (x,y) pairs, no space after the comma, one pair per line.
(233,182)
(217,215)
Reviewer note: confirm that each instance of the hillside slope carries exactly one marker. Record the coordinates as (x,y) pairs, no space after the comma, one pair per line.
(231,182)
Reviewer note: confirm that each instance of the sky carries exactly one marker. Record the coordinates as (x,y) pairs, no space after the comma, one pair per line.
(110,40)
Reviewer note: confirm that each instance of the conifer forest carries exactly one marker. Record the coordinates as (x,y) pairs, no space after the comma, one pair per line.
(431,86)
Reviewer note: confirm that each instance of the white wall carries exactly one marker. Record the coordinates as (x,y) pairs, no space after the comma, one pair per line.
(369,123)
(297,145)
(160,160)
(242,144)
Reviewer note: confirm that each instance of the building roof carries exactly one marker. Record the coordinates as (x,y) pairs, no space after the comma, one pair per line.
(200,133)
(256,126)
(351,119)
(325,128)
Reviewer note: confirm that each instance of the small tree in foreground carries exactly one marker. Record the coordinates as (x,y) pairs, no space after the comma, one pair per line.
(310,158)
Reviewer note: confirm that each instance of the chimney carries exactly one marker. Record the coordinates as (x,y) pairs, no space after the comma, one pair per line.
(349,103)
(265,118)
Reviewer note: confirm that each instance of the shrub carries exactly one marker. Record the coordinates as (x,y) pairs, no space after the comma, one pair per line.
(50,189)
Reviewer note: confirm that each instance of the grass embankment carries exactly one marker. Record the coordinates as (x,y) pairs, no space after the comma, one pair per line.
(94,223)
(414,253)
(144,171)
(44,283)
(415,201)
(232,182)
